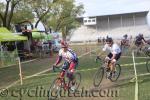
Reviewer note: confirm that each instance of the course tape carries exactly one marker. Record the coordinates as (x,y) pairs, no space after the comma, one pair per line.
(38,74)
(89,69)
(136,79)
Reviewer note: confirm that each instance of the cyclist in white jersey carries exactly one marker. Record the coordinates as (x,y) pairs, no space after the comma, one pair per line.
(114,53)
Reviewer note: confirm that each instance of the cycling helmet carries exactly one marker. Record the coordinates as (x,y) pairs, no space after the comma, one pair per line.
(64,44)
(125,35)
(109,40)
(140,34)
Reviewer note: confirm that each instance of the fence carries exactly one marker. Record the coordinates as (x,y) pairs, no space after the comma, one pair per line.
(8,58)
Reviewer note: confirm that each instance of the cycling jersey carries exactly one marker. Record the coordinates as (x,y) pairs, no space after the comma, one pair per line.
(114,49)
(70,61)
(124,41)
(68,56)
(139,39)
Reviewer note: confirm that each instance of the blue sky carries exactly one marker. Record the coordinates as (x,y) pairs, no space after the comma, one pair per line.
(106,7)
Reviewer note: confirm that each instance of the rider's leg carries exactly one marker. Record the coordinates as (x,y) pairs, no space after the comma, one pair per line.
(107,59)
(71,70)
(71,76)
(112,65)
(62,74)
(113,62)
(64,68)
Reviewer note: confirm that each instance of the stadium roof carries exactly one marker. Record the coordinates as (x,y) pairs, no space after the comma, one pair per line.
(119,14)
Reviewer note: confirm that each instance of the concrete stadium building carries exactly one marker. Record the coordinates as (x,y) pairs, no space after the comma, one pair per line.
(115,25)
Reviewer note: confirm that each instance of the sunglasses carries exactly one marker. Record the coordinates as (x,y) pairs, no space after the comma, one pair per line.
(63,47)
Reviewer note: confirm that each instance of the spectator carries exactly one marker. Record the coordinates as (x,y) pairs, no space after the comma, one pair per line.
(103,40)
(98,40)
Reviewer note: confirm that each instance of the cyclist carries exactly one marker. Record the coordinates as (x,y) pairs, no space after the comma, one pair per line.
(124,41)
(113,56)
(140,40)
(70,60)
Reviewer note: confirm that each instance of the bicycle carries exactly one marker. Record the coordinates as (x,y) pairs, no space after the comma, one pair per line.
(60,84)
(142,49)
(103,69)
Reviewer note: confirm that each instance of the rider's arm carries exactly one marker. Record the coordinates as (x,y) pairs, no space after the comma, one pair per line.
(144,41)
(103,50)
(101,53)
(58,60)
(59,57)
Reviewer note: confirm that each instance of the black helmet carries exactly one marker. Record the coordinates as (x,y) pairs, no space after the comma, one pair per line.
(140,34)
(125,35)
(109,40)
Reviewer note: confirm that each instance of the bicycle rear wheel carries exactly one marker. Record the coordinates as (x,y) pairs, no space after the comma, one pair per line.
(98,77)
(148,65)
(116,74)
(54,89)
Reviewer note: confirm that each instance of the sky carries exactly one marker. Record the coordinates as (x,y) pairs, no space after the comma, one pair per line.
(106,7)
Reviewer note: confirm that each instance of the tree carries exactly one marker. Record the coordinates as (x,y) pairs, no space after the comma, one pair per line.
(13,11)
(6,14)
(1,9)
(58,14)
(23,14)
(41,8)
(63,16)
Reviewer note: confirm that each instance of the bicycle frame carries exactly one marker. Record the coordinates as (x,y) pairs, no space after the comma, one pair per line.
(63,81)
(105,63)
(99,74)
(143,49)
(66,84)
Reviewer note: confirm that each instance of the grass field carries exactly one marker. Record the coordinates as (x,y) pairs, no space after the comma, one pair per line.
(87,69)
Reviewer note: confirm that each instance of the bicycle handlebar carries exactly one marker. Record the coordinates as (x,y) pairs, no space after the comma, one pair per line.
(97,58)
(60,68)
(100,59)
(56,67)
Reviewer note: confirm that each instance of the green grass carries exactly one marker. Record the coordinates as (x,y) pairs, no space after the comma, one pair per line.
(10,74)
(144,88)
(126,89)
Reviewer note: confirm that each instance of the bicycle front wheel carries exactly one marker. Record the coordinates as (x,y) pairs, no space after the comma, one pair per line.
(116,73)
(148,65)
(98,77)
(54,89)
(76,81)
(147,52)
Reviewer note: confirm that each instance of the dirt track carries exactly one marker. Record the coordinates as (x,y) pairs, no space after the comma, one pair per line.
(107,91)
